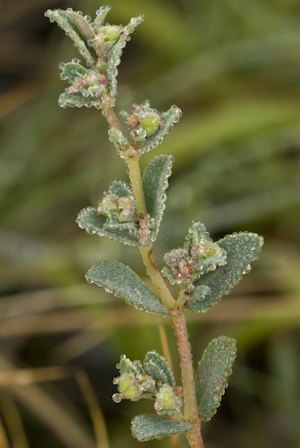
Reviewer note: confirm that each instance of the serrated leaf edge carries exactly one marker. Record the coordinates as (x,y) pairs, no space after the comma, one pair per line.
(107,234)
(188,427)
(222,390)
(163,196)
(120,296)
(154,140)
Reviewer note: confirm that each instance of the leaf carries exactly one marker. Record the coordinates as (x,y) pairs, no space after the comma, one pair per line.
(157,367)
(83,25)
(199,293)
(168,119)
(197,230)
(241,249)
(150,426)
(119,188)
(154,185)
(77,28)
(124,283)
(73,71)
(97,224)
(116,53)
(101,16)
(213,371)
(77,100)
(127,366)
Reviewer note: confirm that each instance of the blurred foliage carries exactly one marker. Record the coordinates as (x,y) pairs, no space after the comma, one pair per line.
(233,67)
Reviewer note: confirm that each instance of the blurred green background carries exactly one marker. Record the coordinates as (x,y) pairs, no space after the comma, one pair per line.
(233,67)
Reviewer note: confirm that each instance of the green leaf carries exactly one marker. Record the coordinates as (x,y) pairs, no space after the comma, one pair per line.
(97,224)
(117,51)
(77,28)
(213,371)
(127,366)
(119,188)
(77,100)
(196,231)
(150,426)
(157,367)
(101,16)
(82,24)
(168,119)
(241,249)
(73,71)
(155,182)
(124,283)
(199,293)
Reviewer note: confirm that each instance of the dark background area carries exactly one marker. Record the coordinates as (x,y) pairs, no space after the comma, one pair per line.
(233,67)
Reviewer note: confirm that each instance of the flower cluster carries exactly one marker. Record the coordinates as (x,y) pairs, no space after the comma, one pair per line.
(153,380)
(143,121)
(198,256)
(121,209)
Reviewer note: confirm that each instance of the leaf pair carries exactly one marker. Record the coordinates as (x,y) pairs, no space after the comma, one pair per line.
(154,185)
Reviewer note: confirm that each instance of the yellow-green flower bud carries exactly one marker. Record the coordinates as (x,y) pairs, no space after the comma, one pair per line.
(167,398)
(110,32)
(150,122)
(129,388)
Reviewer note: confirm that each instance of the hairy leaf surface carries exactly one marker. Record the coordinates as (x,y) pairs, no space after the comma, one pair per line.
(241,249)
(213,371)
(155,182)
(150,426)
(126,284)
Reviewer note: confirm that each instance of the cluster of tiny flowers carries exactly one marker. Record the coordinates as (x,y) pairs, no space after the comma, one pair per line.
(121,209)
(146,224)
(198,256)
(135,384)
(143,121)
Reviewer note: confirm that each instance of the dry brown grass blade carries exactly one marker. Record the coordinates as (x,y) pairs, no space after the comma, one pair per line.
(3,438)
(230,309)
(14,423)
(31,376)
(94,409)
(67,424)
(92,334)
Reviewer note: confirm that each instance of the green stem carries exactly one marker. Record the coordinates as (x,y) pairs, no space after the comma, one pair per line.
(136,183)
(162,289)
(187,375)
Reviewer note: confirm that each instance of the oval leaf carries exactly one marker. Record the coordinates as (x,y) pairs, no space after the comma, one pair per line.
(199,293)
(98,224)
(82,24)
(241,249)
(157,367)
(155,182)
(213,371)
(116,53)
(69,23)
(101,16)
(77,100)
(119,188)
(150,426)
(73,71)
(168,119)
(124,283)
